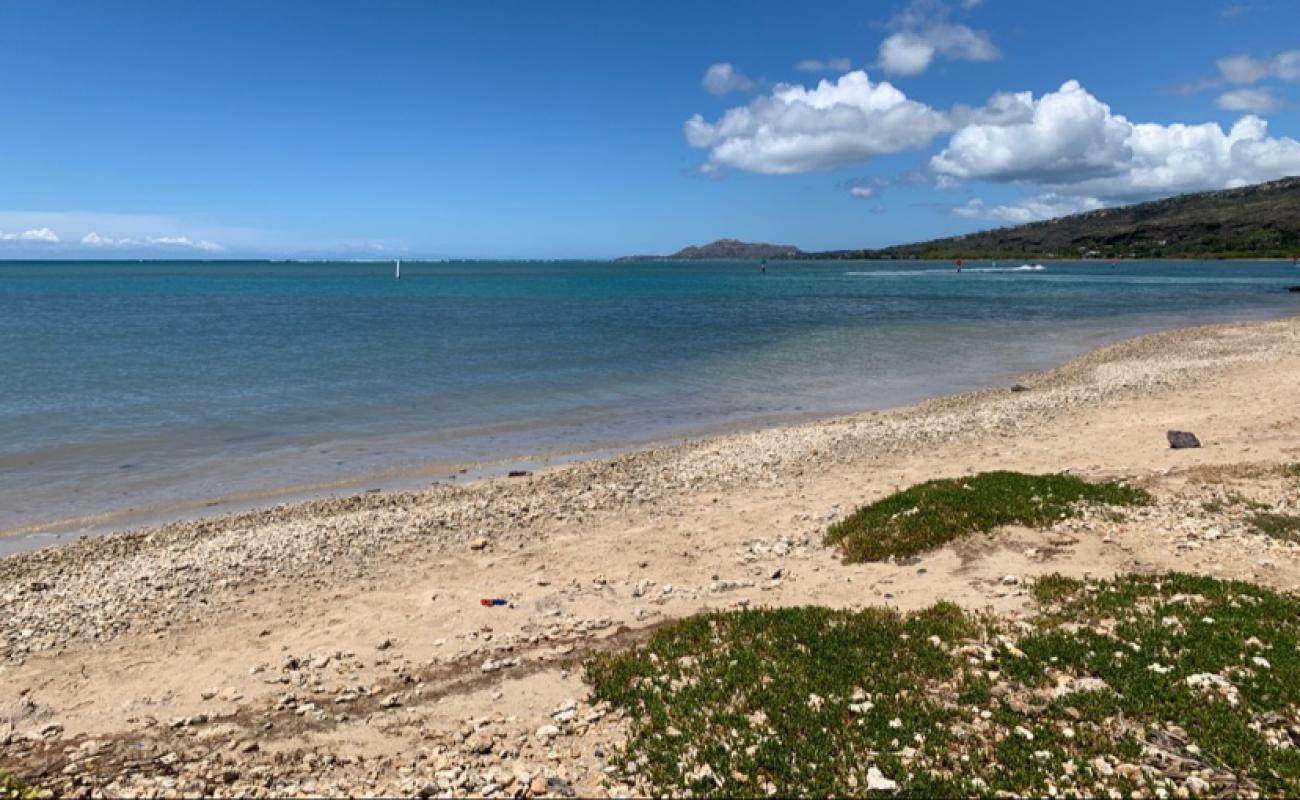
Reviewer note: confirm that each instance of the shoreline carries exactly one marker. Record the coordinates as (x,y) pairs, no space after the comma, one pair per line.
(465,511)
(60,531)
(338,646)
(414,480)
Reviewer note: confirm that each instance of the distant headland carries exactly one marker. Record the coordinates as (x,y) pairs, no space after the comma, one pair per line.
(728,249)
(1259,221)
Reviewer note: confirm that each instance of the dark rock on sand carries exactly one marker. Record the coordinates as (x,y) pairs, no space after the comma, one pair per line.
(1180,440)
(1019,387)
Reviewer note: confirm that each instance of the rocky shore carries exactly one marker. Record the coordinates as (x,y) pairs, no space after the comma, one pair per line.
(339,646)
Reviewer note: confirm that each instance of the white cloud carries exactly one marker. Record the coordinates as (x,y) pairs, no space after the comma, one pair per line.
(42,235)
(184,241)
(93,239)
(1068,135)
(906,54)
(824,65)
(911,52)
(1003,108)
(724,79)
(1072,142)
(1258,100)
(796,129)
(876,185)
(922,32)
(1045,206)
(1246,69)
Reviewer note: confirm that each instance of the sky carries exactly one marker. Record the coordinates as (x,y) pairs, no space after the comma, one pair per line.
(485,129)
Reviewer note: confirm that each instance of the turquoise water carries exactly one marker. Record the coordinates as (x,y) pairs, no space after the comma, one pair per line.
(134,385)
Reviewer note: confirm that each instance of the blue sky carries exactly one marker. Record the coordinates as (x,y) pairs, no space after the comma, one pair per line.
(549,130)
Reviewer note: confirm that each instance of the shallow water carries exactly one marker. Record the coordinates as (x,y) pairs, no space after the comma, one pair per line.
(141,385)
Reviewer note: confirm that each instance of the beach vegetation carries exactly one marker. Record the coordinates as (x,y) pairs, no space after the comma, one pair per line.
(936,512)
(13,789)
(1285,527)
(1166,685)
(1224,502)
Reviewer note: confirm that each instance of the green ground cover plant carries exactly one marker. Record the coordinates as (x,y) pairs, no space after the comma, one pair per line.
(1285,527)
(12,789)
(936,512)
(1173,685)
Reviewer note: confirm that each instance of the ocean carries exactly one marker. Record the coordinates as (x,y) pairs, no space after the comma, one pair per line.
(142,387)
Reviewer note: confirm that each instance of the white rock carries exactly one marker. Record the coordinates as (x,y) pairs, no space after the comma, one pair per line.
(877,782)
(547,732)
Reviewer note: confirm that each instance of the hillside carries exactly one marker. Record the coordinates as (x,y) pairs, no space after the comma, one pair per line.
(730,249)
(1257,221)
(1260,221)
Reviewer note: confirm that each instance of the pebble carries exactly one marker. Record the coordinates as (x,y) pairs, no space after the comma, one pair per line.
(547,732)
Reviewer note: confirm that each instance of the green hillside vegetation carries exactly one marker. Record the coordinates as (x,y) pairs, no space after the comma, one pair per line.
(1261,221)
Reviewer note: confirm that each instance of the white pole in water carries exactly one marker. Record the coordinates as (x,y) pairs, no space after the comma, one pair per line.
(397,276)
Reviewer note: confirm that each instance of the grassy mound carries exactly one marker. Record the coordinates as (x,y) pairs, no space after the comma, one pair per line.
(1170,685)
(931,514)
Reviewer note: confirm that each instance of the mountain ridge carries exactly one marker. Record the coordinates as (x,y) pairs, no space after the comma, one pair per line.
(730,249)
(1257,221)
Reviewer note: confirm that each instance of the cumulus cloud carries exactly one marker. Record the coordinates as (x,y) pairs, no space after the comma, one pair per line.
(1065,136)
(724,79)
(1003,108)
(796,129)
(863,192)
(1072,142)
(1257,100)
(1044,206)
(93,239)
(43,235)
(824,65)
(922,32)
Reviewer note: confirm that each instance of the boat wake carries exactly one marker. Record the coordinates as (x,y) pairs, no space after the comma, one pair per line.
(900,273)
(1021,268)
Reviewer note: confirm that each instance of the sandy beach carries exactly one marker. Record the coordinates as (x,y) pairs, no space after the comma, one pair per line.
(339,646)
